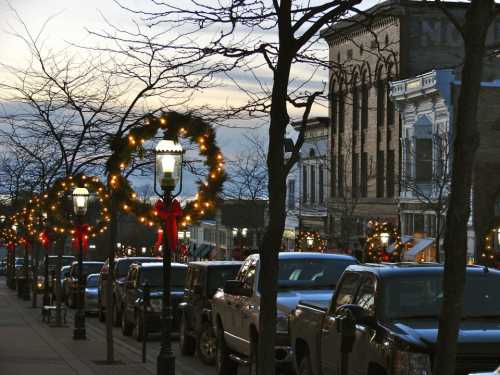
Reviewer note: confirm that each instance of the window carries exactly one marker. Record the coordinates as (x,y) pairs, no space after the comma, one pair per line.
(390,173)
(334,112)
(391,118)
(364,174)
(366,296)
(380,174)
(355,108)
(346,291)
(349,53)
(313,184)
(380,102)
(407,172)
(291,194)
(222,238)
(340,175)
(333,177)
(321,182)
(423,160)
(304,184)
(355,175)
(341,114)
(364,104)
(418,223)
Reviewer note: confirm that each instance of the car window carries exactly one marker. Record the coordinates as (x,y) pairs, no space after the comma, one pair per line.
(250,275)
(346,291)
(366,295)
(242,273)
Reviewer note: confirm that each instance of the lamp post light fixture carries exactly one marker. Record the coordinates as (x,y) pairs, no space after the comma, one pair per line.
(118,245)
(143,250)
(168,173)
(46,286)
(310,241)
(384,238)
(80,203)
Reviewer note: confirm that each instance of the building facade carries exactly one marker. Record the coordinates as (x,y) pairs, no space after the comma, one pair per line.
(393,40)
(427,103)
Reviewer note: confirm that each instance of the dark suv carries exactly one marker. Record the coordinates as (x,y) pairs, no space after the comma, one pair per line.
(383,319)
(202,281)
(152,274)
(120,276)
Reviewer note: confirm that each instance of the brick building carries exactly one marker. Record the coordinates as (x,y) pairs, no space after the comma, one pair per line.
(393,40)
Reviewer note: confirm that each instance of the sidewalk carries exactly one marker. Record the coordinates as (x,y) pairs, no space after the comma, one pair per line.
(30,347)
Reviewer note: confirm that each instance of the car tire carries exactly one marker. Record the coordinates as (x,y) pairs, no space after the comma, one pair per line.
(207,344)
(223,364)
(138,327)
(305,367)
(186,342)
(126,326)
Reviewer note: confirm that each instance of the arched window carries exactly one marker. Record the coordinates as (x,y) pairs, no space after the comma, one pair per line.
(381,84)
(355,104)
(364,102)
(312,153)
(391,115)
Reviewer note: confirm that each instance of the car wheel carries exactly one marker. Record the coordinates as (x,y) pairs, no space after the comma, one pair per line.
(138,328)
(305,365)
(186,342)
(126,326)
(207,344)
(223,364)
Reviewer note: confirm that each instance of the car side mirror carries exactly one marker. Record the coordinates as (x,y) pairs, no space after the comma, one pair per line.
(356,314)
(235,287)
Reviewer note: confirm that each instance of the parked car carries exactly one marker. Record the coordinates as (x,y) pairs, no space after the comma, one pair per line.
(236,308)
(66,260)
(91,293)
(71,281)
(202,281)
(120,276)
(65,271)
(19,271)
(383,319)
(152,274)
(3,267)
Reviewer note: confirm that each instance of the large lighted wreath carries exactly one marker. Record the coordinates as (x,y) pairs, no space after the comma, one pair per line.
(175,126)
(54,199)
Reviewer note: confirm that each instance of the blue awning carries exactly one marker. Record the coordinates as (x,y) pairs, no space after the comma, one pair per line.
(420,246)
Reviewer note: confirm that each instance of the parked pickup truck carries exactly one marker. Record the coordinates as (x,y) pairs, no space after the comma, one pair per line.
(383,319)
(235,310)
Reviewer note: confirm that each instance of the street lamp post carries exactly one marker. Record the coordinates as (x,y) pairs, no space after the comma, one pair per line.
(13,261)
(168,171)
(80,202)
(46,286)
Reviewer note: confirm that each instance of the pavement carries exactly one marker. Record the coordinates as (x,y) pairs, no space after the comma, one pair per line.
(29,346)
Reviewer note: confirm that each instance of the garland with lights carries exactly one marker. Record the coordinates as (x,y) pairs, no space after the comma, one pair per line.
(174,125)
(376,250)
(54,200)
(318,244)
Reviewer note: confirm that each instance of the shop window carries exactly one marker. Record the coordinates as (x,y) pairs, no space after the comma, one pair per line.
(423,160)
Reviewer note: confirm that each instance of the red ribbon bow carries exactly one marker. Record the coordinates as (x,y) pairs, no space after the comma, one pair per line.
(169,216)
(81,234)
(45,239)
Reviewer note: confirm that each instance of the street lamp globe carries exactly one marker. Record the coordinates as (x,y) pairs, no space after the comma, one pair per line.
(188,235)
(310,241)
(2,219)
(168,164)
(384,238)
(143,250)
(14,228)
(235,232)
(244,232)
(80,200)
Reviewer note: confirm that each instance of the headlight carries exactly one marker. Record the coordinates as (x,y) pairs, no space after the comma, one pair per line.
(408,363)
(282,323)
(155,305)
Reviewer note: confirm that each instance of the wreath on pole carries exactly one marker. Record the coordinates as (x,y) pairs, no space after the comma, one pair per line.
(383,243)
(310,241)
(175,126)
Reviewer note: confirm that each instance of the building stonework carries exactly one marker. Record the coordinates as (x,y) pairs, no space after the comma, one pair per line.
(400,39)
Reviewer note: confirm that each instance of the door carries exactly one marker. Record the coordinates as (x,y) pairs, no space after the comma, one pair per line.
(330,337)
(244,307)
(362,349)
(130,293)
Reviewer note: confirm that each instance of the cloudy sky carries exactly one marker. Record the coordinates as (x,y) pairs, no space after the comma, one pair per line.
(67,21)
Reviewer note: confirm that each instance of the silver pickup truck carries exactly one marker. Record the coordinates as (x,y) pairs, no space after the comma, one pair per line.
(311,276)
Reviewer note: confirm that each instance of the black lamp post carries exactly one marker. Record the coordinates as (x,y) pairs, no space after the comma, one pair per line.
(46,285)
(25,288)
(13,260)
(168,172)
(80,202)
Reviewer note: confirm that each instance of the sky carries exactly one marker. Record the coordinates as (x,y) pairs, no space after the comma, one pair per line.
(69,21)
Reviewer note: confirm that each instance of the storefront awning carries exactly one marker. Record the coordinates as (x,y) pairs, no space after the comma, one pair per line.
(404,239)
(204,250)
(420,246)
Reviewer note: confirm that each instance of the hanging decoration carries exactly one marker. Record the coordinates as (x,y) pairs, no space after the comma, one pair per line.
(80,235)
(310,241)
(175,126)
(44,239)
(383,243)
(58,207)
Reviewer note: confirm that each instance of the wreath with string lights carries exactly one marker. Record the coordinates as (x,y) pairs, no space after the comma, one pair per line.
(375,249)
(175,126)
(54,199)
(318,244)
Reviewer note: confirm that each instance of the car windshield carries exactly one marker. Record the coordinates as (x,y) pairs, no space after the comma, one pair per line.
(89,268)
(66,261)
(154,277)
(19,261)
(123,265)
(92,281)
(420,296)
(218,275)
(311,273)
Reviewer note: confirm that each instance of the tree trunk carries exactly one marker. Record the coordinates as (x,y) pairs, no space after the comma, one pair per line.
(438,236)
(273,234)
(110,354)
(478,19)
